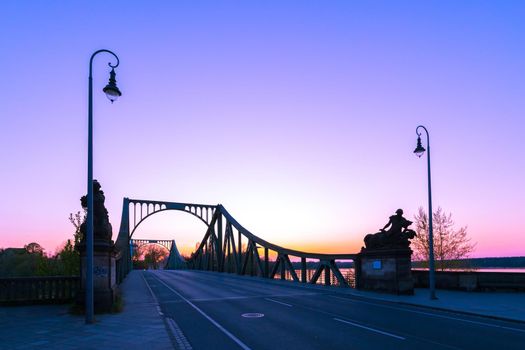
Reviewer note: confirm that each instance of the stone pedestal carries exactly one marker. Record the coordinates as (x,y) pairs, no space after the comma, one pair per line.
(385,270)
(105,287)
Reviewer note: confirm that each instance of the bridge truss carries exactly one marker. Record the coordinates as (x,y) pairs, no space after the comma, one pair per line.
(229,247)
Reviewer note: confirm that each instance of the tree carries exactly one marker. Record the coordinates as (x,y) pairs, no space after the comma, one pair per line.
(154,255)
(68,260)
(77,221)
(27,261)
(449,244)
(34,248)
(138,257)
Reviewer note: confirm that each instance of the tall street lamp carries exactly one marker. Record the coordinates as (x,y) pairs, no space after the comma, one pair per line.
(431,270)
(112,92)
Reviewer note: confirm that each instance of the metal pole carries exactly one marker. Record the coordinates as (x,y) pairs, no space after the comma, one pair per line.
(431,267)
(89,234)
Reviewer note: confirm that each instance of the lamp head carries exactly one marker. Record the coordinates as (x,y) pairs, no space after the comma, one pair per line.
(111,90)
(419,148)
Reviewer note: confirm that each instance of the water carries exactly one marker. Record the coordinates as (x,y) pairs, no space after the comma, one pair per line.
(518,270)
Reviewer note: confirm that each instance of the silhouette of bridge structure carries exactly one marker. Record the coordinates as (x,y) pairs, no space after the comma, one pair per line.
(227,246)
(175,260)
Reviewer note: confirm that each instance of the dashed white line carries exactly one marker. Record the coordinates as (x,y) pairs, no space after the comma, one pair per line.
(215,323)
(278,302)
(370,329)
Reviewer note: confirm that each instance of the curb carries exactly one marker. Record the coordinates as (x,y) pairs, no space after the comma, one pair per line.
(177,338)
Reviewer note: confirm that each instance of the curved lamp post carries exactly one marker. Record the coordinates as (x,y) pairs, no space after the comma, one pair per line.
(431,270)
(112,92)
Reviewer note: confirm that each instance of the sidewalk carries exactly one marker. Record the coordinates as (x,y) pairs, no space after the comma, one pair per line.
(500,305)
(52,327)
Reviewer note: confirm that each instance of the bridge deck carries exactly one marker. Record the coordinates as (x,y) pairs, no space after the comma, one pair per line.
(204,310)
(220,311)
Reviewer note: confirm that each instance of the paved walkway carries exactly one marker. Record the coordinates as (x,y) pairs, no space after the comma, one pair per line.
(52,327)
(505,306)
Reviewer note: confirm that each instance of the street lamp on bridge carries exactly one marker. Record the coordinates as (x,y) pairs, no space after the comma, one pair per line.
(419,151)
(112,92)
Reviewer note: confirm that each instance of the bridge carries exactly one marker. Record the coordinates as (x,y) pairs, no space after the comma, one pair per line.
(214,306)
(209,302)
(227,246)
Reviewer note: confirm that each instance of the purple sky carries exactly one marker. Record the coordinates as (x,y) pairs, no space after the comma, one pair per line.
(299,117)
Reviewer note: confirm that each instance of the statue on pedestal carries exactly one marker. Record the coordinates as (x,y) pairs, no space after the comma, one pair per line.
(102,229)
(396,237)
(103,257)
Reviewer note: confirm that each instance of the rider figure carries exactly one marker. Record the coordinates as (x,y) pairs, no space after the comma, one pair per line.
(398,223)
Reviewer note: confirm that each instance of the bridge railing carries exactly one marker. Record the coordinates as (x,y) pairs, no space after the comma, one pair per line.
(228,247)
(36,290)
(347,272)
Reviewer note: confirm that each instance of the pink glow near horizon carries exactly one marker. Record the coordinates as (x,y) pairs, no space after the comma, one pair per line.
(299,118)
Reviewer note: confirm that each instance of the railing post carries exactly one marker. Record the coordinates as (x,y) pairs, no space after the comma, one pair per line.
(229,238)
(303,270)
(220,260)
(357,272)
(283,268)
(252,262)
(266,263)
(205,256)
(239,256)
(327,275)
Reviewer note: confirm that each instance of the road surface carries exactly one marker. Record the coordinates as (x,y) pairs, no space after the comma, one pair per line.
(206,310)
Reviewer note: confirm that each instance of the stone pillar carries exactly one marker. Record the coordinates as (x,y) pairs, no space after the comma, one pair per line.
(385,270)
(104,254)
(105,288)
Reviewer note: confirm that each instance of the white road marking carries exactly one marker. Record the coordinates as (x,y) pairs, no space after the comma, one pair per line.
(252,315)
(278,302)
(215,323)
(150,290)
(370,329)
(430,314)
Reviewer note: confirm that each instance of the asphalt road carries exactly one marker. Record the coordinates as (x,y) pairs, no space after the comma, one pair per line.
(221,311)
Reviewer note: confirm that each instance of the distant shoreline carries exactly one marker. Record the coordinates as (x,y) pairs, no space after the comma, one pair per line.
(491,263)
(517,262)
(497,270)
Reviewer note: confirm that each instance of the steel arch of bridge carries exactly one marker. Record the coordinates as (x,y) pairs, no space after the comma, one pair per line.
(221,248)
(147,208)
(135,211)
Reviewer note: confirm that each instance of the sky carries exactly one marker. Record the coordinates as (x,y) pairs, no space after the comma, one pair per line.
(298,116)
